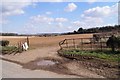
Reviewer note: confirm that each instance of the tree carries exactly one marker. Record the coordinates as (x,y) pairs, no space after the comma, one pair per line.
(80,30)
(113,42)
(4,43)
(75,32)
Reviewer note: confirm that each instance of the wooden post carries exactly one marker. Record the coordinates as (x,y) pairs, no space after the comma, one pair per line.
(101,44)
(18,46)
(74,43)
(91,43)
(28,41)
(60,46)
(66,43)
(81,44)
(21,46)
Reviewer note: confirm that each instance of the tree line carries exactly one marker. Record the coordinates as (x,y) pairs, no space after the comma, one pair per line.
(79,31)
(95,30)
(8,34)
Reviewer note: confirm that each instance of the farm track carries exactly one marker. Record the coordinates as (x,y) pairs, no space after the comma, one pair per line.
(50,53)
(47,47)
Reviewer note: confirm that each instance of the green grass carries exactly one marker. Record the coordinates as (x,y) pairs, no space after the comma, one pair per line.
(8,49)
(106,55)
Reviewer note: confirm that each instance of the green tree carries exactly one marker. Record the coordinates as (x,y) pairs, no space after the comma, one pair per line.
(80,30)
(113,42)
(4,43)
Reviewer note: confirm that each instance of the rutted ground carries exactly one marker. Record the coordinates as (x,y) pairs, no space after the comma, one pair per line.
(66,67)
(12,70)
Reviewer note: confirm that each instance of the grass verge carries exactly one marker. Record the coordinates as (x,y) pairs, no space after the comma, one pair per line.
(106,55)
(8,49)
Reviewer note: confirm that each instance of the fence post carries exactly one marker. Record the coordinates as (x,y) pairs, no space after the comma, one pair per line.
(28,41)
(18,46)
(60,46)
(66,43)
(81,44)
(101,44)
(74,43)
(91,42)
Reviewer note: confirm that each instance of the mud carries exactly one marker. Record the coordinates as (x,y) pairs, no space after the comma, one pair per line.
(58,66)
(91,68)
(62,66)
(101,67)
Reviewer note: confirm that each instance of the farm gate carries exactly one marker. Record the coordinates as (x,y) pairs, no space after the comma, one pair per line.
(84,44)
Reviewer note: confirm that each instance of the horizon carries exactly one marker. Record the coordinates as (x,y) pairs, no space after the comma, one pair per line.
(56,17)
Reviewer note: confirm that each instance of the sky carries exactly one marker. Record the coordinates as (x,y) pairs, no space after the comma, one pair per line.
(31,17)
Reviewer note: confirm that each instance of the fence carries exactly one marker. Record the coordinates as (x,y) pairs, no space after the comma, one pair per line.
(22,45)
(84,44)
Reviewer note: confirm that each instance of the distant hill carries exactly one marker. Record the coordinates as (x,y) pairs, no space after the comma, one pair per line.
(96,30)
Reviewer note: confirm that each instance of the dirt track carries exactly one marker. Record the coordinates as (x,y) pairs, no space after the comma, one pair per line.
(12,70)
(46,47)
(26,58)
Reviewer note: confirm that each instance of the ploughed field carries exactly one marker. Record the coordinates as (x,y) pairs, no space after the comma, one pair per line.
(37,42)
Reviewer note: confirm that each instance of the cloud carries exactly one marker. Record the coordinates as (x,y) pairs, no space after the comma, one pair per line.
(44,23)
(48,0)
(92,22)
(48,13)
(61,20)
(98,12)
(61,0)
(88,22)
(97,16)
(59,25)
(41,19)
(77,23)
(91,1)
(104,11)
(115,8)
(14,8)
(70,27)
(11,8)
(3,21)
(71,7)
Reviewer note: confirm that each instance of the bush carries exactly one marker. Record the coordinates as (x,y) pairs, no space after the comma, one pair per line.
(113,42)
(4,43)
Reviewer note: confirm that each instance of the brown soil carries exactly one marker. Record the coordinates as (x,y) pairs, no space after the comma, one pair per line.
(108,70)
(57,68)
(65,66)
(101,67)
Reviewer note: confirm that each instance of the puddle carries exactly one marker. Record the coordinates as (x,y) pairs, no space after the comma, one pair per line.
(49,64)
(46,63)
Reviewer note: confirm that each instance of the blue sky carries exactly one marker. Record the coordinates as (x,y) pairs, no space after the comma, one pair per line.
(56,17)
